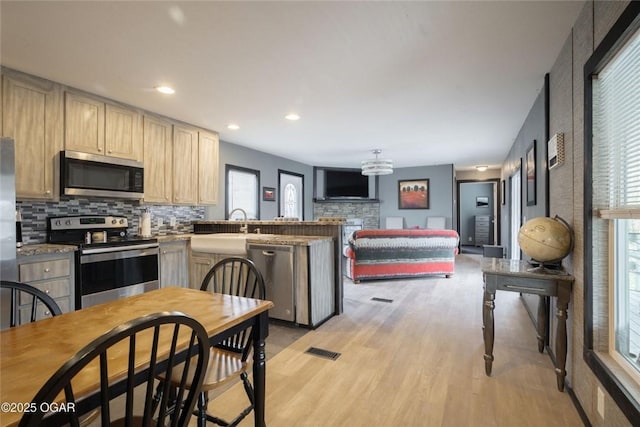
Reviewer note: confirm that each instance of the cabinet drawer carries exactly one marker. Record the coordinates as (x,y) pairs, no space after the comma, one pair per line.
(42,311)
(45,270)
(53,288)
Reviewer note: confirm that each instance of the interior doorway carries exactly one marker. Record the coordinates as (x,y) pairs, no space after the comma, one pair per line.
(478,214)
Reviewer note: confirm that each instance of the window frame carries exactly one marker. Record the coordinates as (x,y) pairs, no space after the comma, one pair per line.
(605,371)
(281,195)
(229,168)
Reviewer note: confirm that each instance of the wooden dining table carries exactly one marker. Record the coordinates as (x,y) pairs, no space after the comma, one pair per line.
(31,353)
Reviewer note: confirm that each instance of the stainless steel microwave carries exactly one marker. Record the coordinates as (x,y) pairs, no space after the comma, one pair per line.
(84,174)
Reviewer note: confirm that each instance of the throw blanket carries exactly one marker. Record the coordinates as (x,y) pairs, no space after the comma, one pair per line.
(401,253)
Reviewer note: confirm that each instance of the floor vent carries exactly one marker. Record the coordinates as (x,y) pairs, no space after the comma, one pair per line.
(381,299)
(323,353)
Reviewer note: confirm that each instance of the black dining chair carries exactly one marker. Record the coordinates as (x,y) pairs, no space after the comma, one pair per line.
(140,338)
(229,359)
(30,298)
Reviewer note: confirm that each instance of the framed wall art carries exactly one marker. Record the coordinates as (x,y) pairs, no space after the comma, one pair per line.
(269,194)
(531,174)
(413,194)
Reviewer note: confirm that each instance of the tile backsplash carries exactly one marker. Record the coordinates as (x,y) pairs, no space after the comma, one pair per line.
(34,215)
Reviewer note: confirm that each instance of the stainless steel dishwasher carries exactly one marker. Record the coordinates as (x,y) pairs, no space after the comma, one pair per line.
(275,262)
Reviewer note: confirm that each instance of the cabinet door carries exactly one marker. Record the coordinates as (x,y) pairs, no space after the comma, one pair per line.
(174,265)
(32,116)
(84,124)
(53,275)
(185,165)
(200,266)
(208,168)
(122,130)
(158,171)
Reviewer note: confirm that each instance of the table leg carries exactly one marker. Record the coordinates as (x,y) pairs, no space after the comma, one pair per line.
(488,305)
(542,322)
(561,336)
(260,332)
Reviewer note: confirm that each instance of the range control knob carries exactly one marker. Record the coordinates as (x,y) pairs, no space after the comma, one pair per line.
(113,221)
(68,222)
(121,220)
(57,222)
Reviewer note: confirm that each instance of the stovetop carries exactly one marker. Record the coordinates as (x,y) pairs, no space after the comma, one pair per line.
(73,230)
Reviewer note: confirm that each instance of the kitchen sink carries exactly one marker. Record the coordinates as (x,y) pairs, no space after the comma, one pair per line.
(224,243)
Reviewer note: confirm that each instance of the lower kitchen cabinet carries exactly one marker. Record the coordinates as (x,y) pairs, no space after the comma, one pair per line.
(54,275)
(174,264)
(314,276)
(200,265)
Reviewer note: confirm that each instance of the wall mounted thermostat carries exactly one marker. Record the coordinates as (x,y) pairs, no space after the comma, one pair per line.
(555,150)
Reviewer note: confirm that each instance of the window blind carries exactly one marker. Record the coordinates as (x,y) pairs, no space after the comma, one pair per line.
(616,135)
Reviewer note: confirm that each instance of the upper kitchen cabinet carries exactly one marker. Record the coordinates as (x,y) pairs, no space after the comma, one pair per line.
(185,165)
(208,159)
(95,126)
(158,153)
(32,114)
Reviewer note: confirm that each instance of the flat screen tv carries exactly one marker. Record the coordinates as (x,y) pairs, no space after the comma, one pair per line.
(345,184)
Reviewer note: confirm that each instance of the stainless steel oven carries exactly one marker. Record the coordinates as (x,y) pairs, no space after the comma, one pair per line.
(110,264)
(109,273)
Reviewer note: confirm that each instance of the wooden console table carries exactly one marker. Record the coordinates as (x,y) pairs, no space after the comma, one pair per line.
(514,276)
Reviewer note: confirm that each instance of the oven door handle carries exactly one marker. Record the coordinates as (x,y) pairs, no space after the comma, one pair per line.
(110,256)
(90,251)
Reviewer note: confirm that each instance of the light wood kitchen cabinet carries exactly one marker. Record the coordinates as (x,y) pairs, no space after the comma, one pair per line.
(174,264)
(200,264)
(185,165)
(158,153)
(54,275)
(95,126)
(32,115)
(208,160)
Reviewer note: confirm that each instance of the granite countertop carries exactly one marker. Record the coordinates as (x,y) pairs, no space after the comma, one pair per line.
(162,238)
(282,239)
(44,248)
(337,221)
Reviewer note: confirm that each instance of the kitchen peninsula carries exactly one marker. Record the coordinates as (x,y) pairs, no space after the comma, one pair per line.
(328,228)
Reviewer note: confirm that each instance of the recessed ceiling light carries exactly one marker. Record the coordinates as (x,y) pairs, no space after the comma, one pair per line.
(165,89)
(233,126)
(292,116)
(482,168)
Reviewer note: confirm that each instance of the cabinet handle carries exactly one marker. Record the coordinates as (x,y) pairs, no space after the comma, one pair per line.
(166,198)
(47,313)
(109,151)
(46,270)
(164,252)
(99,149)
(47,192)
(46,291)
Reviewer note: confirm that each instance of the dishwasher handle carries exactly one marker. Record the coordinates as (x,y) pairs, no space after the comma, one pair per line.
(268,253)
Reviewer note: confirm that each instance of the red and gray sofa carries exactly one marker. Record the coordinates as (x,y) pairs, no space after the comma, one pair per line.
(390,254)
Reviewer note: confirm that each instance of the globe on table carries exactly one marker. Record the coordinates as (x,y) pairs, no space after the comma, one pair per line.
(546,240)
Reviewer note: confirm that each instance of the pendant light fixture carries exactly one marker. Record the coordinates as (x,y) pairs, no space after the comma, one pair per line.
(377,166)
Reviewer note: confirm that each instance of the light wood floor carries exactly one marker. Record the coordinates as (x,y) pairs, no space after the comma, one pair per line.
(414,362)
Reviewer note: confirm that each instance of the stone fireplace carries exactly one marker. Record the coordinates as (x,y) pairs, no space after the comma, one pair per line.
(368,211)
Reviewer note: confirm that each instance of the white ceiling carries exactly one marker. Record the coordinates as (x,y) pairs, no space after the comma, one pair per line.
(426,82)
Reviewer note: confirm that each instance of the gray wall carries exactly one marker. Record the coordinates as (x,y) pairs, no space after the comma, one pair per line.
(268,166)
(534,128)
(441,194)
(468,209)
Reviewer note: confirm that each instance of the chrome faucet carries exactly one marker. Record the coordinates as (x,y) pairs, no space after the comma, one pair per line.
(245,227)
